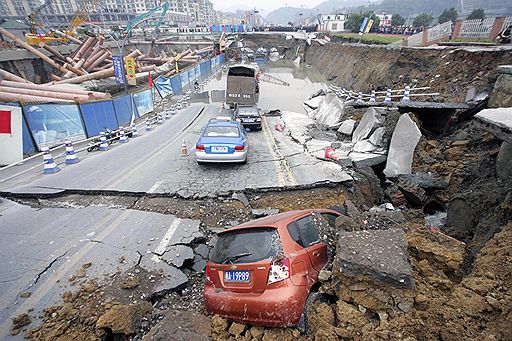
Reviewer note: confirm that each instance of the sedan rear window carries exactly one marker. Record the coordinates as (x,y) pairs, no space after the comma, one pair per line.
(246,246)
(224,131)
(247,113)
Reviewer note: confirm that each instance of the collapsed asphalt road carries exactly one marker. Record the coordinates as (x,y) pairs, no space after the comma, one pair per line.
(100,216)
(43,250)
(156,156)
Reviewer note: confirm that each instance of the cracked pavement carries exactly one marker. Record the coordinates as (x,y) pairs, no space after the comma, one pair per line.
(152,164)
(42,248)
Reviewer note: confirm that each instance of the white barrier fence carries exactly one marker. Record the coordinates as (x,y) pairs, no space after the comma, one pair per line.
(476,28)
(440,31)
(507,23)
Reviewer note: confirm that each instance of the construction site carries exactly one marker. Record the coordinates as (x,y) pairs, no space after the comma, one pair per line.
(111,224)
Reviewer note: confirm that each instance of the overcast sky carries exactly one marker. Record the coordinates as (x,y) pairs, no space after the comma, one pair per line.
(266,5)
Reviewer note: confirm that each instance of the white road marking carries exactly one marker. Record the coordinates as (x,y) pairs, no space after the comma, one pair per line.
(56,277)
(165,240)
(154,187)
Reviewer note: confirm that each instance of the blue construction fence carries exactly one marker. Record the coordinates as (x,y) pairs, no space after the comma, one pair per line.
(183,81)
(51,124)
(229,28)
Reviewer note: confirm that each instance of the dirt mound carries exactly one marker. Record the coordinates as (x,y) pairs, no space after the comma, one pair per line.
(478,201)
(479,307)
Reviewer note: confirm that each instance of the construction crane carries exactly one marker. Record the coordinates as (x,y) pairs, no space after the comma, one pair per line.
(135,21)
(81,15)
(34,24)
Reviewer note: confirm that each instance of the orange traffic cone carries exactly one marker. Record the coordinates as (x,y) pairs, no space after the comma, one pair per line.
(184,149)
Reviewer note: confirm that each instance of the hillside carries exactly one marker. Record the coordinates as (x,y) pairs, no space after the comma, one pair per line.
(283,15)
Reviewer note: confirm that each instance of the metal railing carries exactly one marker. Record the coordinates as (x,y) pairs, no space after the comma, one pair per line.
(507,23)
(476,28)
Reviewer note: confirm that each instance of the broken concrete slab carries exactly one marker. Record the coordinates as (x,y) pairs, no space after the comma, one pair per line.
(202,250)
(316,145)
(372,269)
(347,127)
(314,102)
(377,137)
(330,111)
(426,180)
(187,232)
(504,161)
(258,213)
(296,124)
(199,264)
(36,190)
(177,255)
(507,69)
(366,159)
(403,143)
(372,118)
(172,279)
(242,198)
(413,193)
(364,146)
(497,121)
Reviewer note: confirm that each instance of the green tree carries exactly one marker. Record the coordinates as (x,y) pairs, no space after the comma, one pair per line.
(397,20)
(448,15)
(355,20)
(422,20)
(478,13)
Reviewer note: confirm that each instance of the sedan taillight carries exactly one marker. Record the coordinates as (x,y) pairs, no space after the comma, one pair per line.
(200,147)
(209,274)
(239,148)
(279,271)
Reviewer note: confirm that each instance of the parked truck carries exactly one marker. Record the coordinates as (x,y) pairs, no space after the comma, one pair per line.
(242,87)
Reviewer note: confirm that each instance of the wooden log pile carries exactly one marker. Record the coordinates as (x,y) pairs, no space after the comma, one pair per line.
(90,61)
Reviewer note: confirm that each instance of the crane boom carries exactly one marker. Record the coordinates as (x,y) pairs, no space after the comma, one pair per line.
(80,16)
(135,21)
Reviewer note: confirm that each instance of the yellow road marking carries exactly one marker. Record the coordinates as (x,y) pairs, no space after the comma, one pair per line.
(282,161)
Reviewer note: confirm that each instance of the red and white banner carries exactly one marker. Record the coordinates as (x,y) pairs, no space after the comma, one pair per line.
(5,122)
(11,139)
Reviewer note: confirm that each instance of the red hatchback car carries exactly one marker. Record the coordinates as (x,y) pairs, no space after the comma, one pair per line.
(262,272)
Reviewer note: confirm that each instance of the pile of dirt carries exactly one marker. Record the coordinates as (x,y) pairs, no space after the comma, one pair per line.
(98,308)
(478,307)
(478,202)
